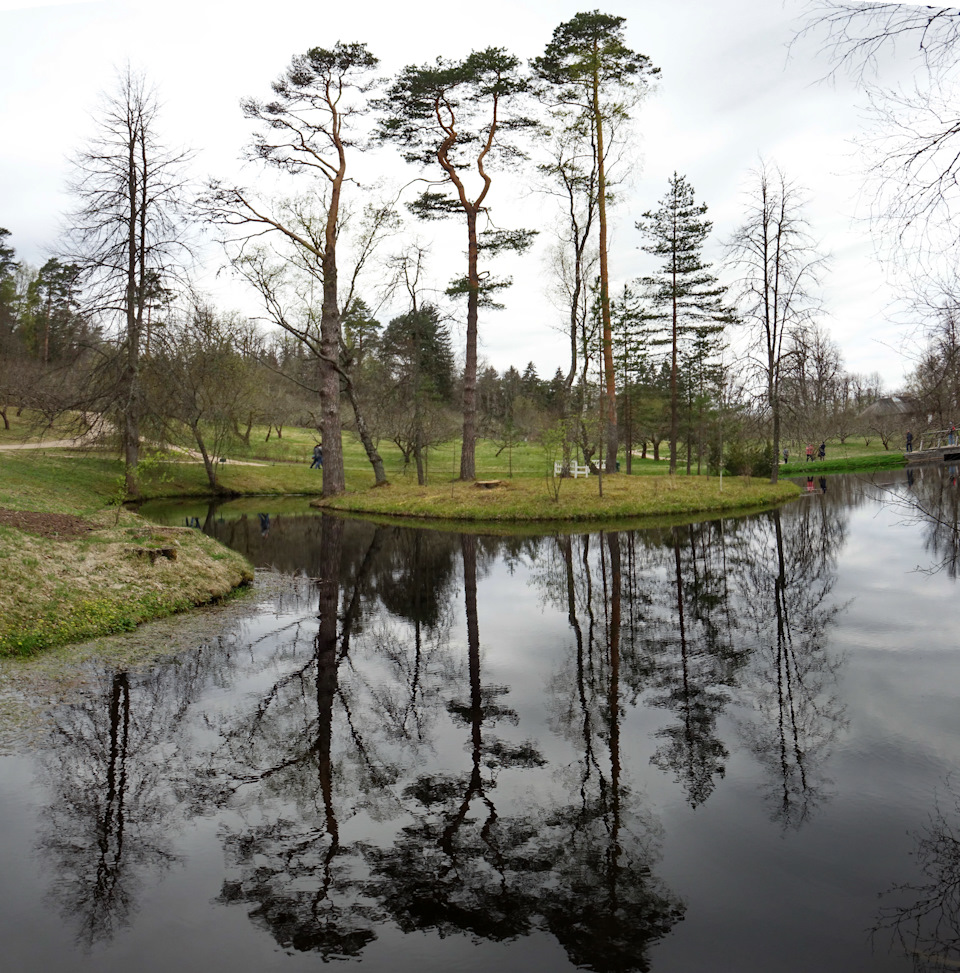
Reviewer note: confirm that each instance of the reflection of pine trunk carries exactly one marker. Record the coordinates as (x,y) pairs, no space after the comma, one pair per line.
(417,624)
(468,544)
(613,543)
(685,663)
(588,758)
(331,548)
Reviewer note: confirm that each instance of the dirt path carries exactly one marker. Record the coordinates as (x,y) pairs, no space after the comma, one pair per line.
(194,455)
(47,444)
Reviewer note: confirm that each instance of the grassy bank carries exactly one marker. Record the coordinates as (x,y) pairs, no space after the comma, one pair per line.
(837,462)
(532,499)
(109,578)
(72,568)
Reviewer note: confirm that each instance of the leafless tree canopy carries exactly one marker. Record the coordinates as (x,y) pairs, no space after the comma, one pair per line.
(778,264)
(126,235)
(911,148)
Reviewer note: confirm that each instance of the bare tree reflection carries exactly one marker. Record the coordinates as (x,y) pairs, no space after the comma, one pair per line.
(117,771)
(292,865)
(925,922)
(793,676)
(932,500)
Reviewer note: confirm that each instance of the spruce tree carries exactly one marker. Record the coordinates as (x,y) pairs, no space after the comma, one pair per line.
(685,295)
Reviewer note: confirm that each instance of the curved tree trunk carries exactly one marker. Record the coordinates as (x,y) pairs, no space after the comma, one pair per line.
(363,431)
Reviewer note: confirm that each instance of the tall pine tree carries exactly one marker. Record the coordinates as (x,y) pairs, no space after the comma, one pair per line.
(683,292)
(597,79)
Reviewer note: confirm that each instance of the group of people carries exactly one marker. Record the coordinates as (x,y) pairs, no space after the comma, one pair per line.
(821,452)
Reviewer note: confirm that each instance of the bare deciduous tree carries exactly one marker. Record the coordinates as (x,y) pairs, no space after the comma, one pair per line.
(126,236)
(778,264)
(912,144)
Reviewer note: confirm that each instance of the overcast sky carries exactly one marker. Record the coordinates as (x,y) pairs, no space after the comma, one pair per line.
(729,94)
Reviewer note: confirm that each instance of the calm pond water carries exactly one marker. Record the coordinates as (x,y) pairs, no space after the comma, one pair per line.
(724,746)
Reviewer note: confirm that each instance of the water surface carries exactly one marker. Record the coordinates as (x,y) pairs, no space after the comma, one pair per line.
(729,745)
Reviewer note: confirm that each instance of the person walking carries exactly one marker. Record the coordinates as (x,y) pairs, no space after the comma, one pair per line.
(809,452)
(317,457)
(909,441)
(822,451)
(786,455)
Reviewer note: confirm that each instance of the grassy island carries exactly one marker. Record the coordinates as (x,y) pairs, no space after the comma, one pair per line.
(532,499)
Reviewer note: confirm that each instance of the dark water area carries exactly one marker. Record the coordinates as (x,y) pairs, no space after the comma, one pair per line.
(728,746)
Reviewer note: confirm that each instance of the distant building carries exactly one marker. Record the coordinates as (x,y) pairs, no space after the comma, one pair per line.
(891,407)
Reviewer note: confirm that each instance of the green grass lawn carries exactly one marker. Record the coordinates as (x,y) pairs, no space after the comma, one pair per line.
(56,479)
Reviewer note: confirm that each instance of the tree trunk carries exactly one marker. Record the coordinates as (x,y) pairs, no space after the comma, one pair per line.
(373,454)
(329,380)
(468,468)
(609,376)
(674,408)
(774,399)
(208,463)
(418,458)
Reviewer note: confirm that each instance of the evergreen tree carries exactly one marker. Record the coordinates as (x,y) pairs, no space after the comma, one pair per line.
(8,286)
(458,115)
(52,309)
(633,339)
(685,295)
(417,345)
(417,353)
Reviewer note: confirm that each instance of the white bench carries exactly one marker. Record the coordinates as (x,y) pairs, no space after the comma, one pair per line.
(574,470)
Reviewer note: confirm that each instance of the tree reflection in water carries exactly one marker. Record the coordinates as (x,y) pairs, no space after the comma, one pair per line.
(792,677)
(331,823)
(925,922)
(447,859)
(315,753)
(454,867)
(118,770)
(713,613)
(932,501)
(607,908)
